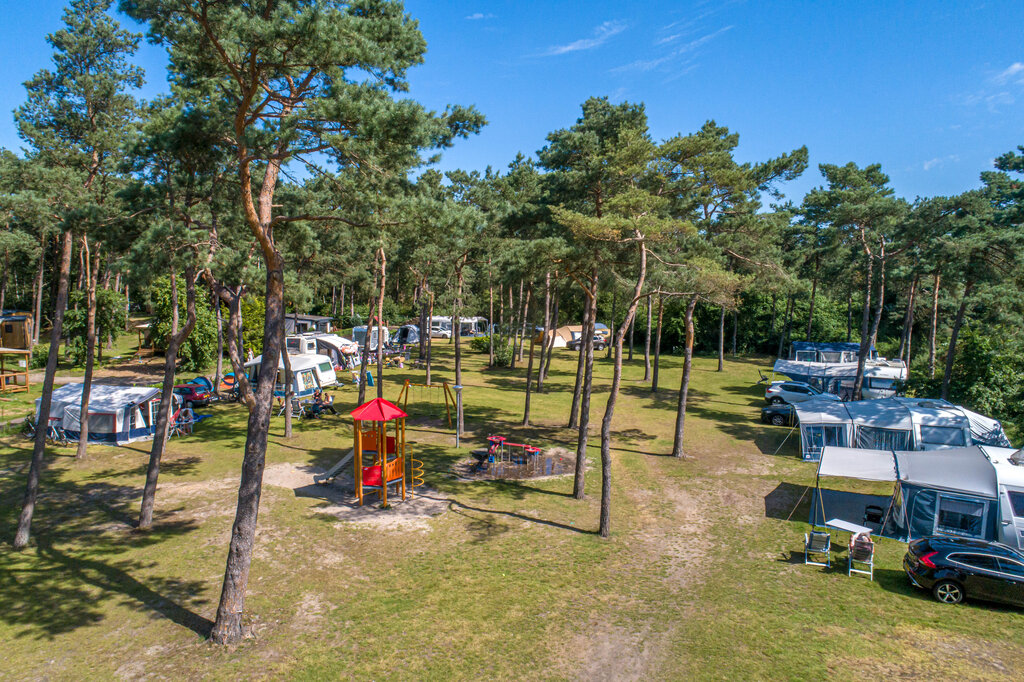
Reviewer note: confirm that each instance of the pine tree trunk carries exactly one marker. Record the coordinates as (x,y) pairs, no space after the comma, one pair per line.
(876,322)
(37,295)
(771,323)
(28,506)
(585,390)
(288,394)
(529,374)
(580,363)
(381,327)
(228,625)
(90,351)
(647,342)
(954,334)
(657,345)
(522,331)
(163,415)
(611,327)
(490,316)
(934,326)
(547,330)
(786,320)
(735,331)
(865,338)
(684,388)
(632,327)
(721,339)
(908,318)
(219,372)
(554,328)
(430,338)
(604,527)
(814,294)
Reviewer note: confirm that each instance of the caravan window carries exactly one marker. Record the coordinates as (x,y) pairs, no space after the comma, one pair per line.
(1017,502)
(960,516)
(942,435)
(325,367)
(817,436)
(293,345)
(879,382)
(806,356)
(831,356)
(871,438)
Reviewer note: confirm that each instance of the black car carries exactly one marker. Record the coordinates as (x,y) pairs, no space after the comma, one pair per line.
(782,414)
(958,568)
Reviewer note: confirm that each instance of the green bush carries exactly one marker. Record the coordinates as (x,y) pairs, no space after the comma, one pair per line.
(200,349)
(502,352)
(39,355)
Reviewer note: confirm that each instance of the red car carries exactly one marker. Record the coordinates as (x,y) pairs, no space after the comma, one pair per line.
(193,395)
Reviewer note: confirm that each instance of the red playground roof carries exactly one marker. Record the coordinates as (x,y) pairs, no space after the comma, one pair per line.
(377,410)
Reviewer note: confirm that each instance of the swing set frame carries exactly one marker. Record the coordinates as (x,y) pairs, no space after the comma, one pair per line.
(449,397)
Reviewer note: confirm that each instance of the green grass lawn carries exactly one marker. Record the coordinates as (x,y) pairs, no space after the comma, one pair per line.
(702,577)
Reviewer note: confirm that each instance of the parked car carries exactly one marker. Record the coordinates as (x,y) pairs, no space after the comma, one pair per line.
(958,568)
(781,414)
(601,336)
(193,395)
(779,392)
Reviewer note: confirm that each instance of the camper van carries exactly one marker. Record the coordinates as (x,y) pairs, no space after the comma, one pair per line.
(440,327)
(309,372)
(473,326)
(337,348)
(359,336)
(832,368)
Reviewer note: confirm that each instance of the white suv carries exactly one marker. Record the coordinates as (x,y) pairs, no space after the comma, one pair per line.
(794,392)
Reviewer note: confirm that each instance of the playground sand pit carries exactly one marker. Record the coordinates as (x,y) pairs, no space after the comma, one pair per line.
(413,513)
(555,461)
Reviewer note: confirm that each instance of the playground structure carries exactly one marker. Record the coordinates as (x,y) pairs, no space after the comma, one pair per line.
(503,459)
(446,391)
(388,452)
(14,379)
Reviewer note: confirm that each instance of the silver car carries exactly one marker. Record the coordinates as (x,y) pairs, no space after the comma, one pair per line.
(794,392)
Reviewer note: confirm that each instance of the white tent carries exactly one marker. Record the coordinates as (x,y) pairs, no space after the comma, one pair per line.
(117,414)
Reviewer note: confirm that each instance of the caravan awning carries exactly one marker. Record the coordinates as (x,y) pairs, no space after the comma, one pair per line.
(816,411)
(865,465)
(960,469)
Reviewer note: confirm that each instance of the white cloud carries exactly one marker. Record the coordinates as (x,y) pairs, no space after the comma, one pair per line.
(601,35)
(939,161)
(677,56)
(1014,73)
(479,15)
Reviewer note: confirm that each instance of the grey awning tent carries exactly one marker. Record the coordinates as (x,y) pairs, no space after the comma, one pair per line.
(953,491)
(859,464)
(865,465)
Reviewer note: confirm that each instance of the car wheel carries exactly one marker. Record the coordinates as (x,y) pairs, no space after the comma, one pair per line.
(777,400)
(948,592)
(778,420)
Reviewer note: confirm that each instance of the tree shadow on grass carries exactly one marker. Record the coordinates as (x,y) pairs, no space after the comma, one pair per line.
(78,561)
(465,509)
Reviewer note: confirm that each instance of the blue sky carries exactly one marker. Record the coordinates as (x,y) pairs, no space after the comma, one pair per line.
(932,91)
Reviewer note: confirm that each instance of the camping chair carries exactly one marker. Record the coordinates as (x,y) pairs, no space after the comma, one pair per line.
(182,423)
(873,516)
(862,553)
(818,542)
(764,377)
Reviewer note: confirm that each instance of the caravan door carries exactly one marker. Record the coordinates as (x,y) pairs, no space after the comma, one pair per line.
(1011,530)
